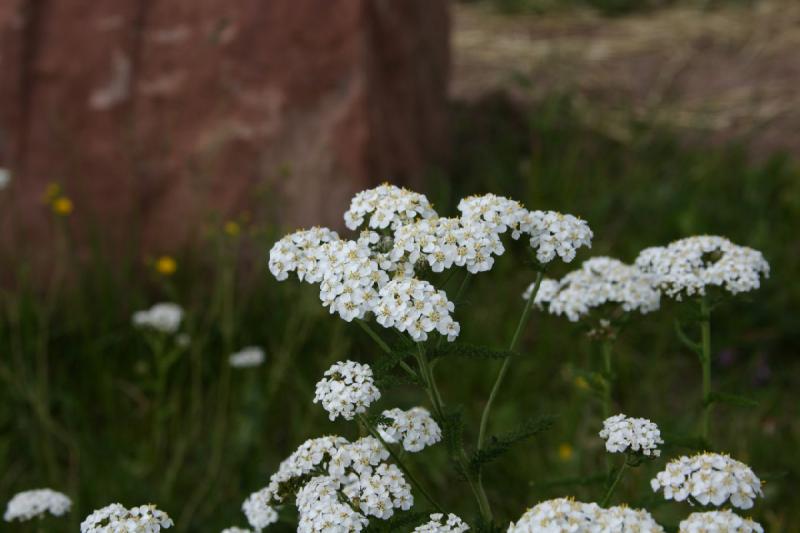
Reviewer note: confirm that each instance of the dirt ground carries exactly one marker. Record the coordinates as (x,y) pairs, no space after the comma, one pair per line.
(728,74)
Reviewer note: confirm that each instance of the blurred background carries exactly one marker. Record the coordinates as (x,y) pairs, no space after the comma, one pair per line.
(154,151)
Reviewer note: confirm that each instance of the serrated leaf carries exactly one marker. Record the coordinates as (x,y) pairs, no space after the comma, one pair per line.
(471,351)
(732,399)
(388,381)
(400,522)
(385,363)
(501,444)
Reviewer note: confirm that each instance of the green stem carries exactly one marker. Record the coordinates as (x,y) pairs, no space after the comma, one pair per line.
(705,360)
(607,497)
(385,347)
(609,378)
(400,463)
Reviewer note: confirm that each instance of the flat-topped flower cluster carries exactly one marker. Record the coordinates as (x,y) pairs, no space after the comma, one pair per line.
(441,524)
(115,518)
(415,429)
(633,435)
(35,504)
(719,522)
(377,272)
(566,514)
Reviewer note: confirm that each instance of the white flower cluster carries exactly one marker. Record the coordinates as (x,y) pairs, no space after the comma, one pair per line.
(599,281)
(247,357)
(709,478)
(236,530)
(719,522)
(689,266)
(415,428)
(438,524)
(388,206)
(297,252)
(258,510)
(445,242)
(115,518)
(566,514)
(347,389)
(162,317)
(417,308)
(35,503)
(638,435)
(551,233)
(338,484)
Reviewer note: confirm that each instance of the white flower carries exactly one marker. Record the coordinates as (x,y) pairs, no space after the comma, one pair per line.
(321,510)
(236,530)
(709,479)
(388,206)
(258,510)
(5,178)
(115,518)
(297,251)
(417,308)
(500,213)
(247,357)
(347,389)
(36,503)
(163,317)
(567,515)
(552,233)
(719,522)
(437,524)
(446,242)
(688,266)
(599,281)
(638,435)
(415,428)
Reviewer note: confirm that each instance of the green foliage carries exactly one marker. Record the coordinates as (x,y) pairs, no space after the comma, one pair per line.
(470,351)
(400,522)
(499,445)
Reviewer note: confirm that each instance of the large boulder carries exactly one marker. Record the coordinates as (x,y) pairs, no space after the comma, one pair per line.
(155,113)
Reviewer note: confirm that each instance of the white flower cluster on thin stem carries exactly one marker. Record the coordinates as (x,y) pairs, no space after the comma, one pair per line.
(331,477)
(623,434)
(599,281)
(347,389)
(689,266)
(415,428)
(115,518)
(388,206)
(258,510)
(446,242)
(500,213)
(719,522)
(35,504)
(566,514)
(162,317)
(709,478)
(247,357)
(417,308)
(297,252)
(438,524)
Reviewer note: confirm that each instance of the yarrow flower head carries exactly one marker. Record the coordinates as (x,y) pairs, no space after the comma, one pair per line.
(320,509)
(387,206)
(441,524)
(297,252)
(347,389)
(35,504)
(709,478)
(417,308)
(247,357)
(625,435)
(556,234)
(500,213)
(258,510)
(566,514)
(719,522)
(599,281)
(115,518)
(415,428)
(162,317)
(236,530)
(689,266)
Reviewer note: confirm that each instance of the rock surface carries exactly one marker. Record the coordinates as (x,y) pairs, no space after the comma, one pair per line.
(154,114)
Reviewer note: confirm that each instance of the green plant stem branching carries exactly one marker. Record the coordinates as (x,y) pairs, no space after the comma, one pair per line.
(610,491)
(705,361)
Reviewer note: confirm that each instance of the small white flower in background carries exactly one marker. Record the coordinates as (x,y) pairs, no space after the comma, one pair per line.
(415,429)
(623,434)
(247,357)
(388,206)
(236,530)
(36,503)
(417,308)
(719,522)
(709,479)
(258,511)
(347,389)
(438,524)
(599,281)
(688,266)
(297,252)
(163,317)
(565,514)
(5,178)
(115,518)
(554,233)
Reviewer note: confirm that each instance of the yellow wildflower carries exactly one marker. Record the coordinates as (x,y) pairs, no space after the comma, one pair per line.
(565,451)
(232,228)
(166,265)
(62,206)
